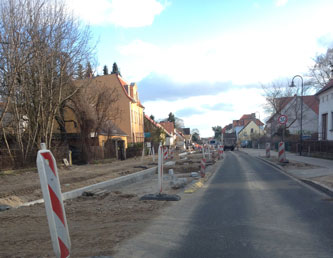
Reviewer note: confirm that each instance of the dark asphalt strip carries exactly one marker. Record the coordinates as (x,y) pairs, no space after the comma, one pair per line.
(252,210)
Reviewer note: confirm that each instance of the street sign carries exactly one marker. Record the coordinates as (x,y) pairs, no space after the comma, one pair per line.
(282,119)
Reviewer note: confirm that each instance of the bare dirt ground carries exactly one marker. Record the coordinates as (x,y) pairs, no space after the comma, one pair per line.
(291,164)
(325,180)
(17,188)
(98,223)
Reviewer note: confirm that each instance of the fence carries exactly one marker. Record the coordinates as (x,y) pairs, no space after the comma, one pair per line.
(312,148)
(317,148)
(16,160)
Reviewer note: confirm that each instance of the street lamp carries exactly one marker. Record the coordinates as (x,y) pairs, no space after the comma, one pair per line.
(301,134)
(259,129)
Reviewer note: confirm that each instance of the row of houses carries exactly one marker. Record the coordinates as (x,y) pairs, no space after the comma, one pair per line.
(131,125)
(247,128)
(317,115)
(316,118)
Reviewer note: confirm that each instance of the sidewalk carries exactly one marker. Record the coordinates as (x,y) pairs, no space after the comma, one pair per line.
(320,171)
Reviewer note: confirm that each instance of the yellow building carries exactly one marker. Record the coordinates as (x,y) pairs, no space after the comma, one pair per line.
(128,124)
(130,119)
(250,131)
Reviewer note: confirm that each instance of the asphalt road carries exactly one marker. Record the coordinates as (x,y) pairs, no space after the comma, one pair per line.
(252,210)
(248,209)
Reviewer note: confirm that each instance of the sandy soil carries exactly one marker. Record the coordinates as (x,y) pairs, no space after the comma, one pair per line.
(291,165)
(17,188)
(325,180)
(97,224)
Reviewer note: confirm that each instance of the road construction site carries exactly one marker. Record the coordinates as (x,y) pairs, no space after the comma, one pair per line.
(100,218)
(102,201)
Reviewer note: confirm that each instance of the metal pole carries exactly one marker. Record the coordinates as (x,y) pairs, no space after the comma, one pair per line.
(259,130)
(301,133)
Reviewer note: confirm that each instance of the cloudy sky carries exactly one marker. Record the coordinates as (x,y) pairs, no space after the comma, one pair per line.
(205,61)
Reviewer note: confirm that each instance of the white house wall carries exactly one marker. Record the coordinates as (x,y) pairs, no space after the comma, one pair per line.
(326,106)
(309,120)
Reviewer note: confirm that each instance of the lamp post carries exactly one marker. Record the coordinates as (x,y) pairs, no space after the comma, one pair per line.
(259,130)
(301,133)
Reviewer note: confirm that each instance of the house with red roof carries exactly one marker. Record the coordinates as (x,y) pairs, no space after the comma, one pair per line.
(250,131)
(157,132)
(325,113)
(178,136)
(238,125)
(129,119)
(291,107)
(168,126)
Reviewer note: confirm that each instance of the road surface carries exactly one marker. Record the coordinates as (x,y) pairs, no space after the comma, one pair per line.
(249,209)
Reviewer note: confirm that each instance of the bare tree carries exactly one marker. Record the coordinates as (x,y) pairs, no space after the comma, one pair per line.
(276,95)
(41,47)
(282,98)
(96,108)
(321,72)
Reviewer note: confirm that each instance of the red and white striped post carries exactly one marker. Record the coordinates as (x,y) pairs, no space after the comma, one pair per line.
(203,152)
(160,168)
(268,149)
(49,180)
(282,153)
(165,153)
(171,153)
(203,167)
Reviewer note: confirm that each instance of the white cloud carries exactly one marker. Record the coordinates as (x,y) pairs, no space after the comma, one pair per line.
(281,2)
(243,101)
(121,13)
(251,54)
(249,57)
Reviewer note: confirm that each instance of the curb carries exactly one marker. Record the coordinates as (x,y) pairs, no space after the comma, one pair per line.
(200,183)
(119,181)
(318,186)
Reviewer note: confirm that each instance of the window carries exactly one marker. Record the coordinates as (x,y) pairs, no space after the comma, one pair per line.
(324,126)
(251,130)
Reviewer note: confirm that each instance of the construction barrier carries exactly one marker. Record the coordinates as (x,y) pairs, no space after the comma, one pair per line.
(213,154)
(220,152)
(165,153)
(282,153)
(171,153)
(49,180)
(268,149)
(160,168)
(203,167)
(209,153)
